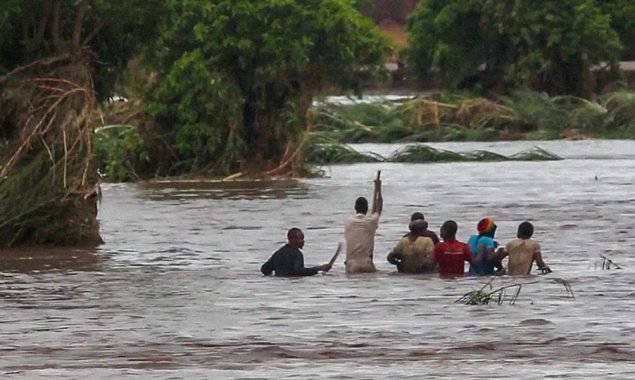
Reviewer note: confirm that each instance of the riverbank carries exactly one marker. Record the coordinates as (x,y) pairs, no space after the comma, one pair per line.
(128,153)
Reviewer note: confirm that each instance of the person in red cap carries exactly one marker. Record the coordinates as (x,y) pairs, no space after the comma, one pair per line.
(484,244)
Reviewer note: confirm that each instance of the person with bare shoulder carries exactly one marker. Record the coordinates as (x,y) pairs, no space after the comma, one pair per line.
(426,232)
(413,253)
(359,233)
(452,254)
(523,252)
(289,261)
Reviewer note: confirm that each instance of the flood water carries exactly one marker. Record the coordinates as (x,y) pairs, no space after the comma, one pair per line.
(175,292)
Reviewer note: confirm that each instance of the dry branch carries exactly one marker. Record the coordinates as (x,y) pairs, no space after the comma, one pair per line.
(48,187)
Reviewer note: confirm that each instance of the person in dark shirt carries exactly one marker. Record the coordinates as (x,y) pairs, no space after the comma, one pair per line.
(426,232)
(289,261)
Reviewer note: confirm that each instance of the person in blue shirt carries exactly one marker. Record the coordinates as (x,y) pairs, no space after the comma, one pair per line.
(484,243)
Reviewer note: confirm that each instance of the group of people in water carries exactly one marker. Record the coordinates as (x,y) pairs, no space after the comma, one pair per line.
(419,251)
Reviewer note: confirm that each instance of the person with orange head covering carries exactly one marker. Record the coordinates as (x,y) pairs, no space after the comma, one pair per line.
(484,244)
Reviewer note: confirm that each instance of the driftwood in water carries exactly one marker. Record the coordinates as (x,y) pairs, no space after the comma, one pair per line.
(48,185)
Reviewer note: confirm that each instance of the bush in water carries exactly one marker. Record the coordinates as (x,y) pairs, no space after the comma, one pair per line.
(236,78)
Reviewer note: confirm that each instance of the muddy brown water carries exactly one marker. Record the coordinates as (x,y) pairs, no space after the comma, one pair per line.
(176,293)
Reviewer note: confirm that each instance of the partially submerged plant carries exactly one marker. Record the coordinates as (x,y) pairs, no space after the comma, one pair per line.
(535,154)
(328,153)
(424,153)
(48,183)
(508,293)
(606,263)
(488,294)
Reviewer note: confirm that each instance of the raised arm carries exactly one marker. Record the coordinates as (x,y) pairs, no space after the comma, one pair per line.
(378,200)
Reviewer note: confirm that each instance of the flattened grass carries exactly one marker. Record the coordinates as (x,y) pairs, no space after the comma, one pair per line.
(523,114)
(330,153)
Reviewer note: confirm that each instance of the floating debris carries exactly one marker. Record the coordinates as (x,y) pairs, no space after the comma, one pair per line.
(508,293)
(535,154)
(606,263)
(423,153)
(329,153)
(334,153)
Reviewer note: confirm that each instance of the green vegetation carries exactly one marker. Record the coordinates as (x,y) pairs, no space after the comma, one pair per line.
(544,45)
(226,86)
(508,293)
(120,150)
(521,115)
(328,153)
(233,82)
(622,15)
(235,79)
(103,34)
(424,153)
(57,58)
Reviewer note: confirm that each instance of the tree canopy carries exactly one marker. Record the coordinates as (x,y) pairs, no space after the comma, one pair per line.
(236,77)
(622,15)
(546,45)
(110,32)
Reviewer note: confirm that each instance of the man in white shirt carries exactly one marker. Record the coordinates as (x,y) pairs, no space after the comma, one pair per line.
(359,233)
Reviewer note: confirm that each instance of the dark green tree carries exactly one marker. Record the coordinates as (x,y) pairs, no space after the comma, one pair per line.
(235,78)
(546,45)
(104,33)
(622,14)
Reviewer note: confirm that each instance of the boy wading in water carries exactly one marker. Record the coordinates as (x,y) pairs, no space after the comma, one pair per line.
(452,254)
(523,252)
(359,233)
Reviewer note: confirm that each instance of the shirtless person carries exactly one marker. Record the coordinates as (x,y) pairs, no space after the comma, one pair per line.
(523,252)
(359,233)
(427,232)
(413,253)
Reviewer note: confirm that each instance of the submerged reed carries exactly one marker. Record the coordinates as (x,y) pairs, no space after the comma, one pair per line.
(522,114)
(328,152)
(508,293)
(606,263)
